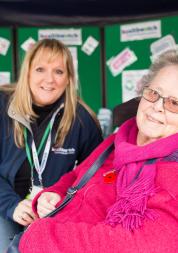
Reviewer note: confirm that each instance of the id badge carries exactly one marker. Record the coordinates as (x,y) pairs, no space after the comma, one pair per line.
(35,190)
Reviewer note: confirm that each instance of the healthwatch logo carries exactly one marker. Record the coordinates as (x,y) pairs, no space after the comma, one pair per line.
(64,151)
(140,31)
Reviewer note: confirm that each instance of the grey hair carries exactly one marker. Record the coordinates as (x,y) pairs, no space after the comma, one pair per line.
(169,58)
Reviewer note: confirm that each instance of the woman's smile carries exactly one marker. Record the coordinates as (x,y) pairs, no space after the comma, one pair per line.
(154,120)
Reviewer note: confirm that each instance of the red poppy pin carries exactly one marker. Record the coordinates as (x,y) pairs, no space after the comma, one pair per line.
(109,176)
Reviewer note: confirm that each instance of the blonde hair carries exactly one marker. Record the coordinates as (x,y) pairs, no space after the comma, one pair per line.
(22,97)
(169,58)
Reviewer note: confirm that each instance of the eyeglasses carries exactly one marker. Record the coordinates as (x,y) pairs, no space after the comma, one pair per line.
(169,103)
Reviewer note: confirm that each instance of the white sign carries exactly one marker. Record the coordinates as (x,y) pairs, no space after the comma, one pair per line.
(4,78)
(4,46)
(140,31)
(90,45)
(28,44)
(67,36)
(117,63)
(131,83)
(162,45)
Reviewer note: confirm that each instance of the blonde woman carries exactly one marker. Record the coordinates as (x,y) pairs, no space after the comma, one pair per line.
(45,131)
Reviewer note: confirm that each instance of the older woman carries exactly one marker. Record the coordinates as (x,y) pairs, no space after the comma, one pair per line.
(44,116)
(136,208)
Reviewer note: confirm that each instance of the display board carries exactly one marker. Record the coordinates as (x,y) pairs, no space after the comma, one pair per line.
(130,49)
(84,43)
(6,56)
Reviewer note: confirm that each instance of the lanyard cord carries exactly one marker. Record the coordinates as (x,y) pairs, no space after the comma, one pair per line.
(44,138)
(28,152)
(35,153)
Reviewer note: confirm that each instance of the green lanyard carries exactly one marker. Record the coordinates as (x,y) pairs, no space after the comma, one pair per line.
(33,157)
(43,140)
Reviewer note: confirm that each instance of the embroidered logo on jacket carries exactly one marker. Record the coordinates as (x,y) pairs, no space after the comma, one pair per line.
(64,151)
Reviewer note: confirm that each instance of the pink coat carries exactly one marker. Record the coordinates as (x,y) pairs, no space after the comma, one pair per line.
(80,227)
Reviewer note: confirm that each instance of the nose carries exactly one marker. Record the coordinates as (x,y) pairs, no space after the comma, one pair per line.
(49,77)
(159,105)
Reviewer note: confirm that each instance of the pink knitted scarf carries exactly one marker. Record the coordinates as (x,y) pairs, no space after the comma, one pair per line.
(130,208)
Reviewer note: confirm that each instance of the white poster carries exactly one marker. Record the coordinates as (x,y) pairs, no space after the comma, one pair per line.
(162,45)
(140,31)
(90,45)
(117,63)
(4,78)
(67,36)
(28,44)
(131,83)
(4,46)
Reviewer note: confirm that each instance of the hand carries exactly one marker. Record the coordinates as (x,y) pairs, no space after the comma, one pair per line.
(23,213)
(47,202)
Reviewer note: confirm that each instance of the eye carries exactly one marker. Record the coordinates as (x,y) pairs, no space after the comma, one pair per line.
(173,101)
(151,95)
(153,92)
(39,69)
(59,71)
(171,104)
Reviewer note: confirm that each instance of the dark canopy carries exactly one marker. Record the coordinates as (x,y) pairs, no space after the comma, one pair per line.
(55,12)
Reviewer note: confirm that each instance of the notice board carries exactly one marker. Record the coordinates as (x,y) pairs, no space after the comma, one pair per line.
(130,49)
